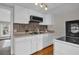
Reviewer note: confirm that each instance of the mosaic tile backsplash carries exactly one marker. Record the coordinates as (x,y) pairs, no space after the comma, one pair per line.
(29,27)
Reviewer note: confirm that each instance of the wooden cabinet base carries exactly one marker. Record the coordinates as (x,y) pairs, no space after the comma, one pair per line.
(46,51)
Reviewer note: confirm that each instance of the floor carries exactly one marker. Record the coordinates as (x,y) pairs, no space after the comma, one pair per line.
(5,51)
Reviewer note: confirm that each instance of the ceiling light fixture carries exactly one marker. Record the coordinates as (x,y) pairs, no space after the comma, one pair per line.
(46,8)
(42,5)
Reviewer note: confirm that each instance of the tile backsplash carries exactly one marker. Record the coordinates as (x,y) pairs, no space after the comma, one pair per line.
(29,27)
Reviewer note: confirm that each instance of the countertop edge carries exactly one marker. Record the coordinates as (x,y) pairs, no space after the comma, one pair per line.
(64,42)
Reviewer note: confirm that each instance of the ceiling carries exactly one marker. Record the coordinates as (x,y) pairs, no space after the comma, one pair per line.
(37,8)
(52,7)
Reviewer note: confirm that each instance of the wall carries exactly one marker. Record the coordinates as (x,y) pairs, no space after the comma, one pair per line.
(4,15)
(68,13)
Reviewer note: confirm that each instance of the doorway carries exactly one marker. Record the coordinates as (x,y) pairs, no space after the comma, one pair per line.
(6,29)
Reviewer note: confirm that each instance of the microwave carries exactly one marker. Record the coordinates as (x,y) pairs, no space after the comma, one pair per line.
(36,19)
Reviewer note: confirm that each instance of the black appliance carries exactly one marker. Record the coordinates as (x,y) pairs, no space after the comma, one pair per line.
(72,31)
(36,19)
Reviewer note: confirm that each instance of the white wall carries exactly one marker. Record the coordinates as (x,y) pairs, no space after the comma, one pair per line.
(4,15)
(68,13)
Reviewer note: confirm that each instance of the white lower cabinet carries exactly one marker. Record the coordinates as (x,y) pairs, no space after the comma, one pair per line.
(22,46)
(44,40)
(61,48)
(30,44)
(40,42)
(47,40)
(50,37)
(34,44)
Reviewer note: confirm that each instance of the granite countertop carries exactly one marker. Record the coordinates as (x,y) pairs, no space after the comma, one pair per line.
(63,40)
(21,34)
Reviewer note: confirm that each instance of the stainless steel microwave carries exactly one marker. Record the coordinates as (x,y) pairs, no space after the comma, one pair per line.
(36,19)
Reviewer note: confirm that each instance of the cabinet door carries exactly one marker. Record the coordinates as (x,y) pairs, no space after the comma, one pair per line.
(40,42)
(21,15)
(47,20)
(22,46)
(45,40)
(19,46)
(50,38)
(28,46)
(34,44)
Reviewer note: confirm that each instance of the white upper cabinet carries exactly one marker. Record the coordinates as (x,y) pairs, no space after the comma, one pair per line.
(21,15)
(5,15)
(47,20)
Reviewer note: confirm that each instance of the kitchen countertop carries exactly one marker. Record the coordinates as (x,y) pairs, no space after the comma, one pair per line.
(23,34)
(5,37)
(63,41)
